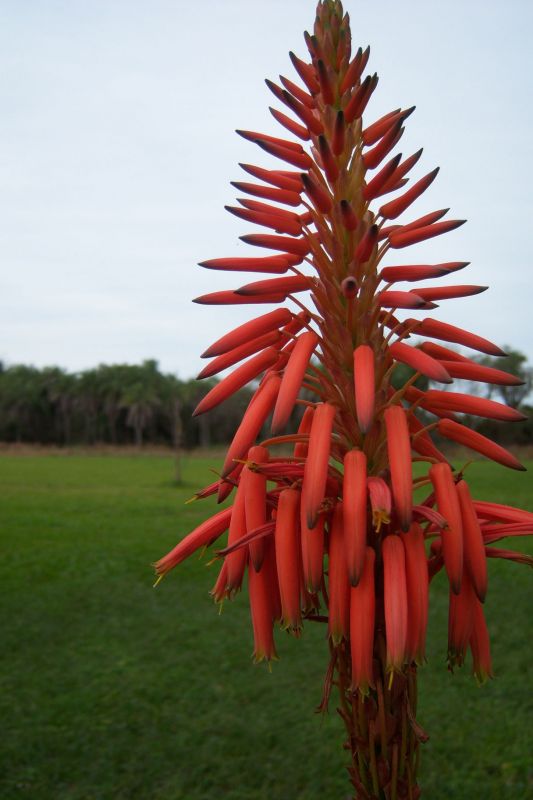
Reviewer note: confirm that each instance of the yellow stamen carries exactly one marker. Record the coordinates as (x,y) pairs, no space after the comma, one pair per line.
(379,517)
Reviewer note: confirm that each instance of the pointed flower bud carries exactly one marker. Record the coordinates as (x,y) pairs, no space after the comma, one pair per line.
(364,384)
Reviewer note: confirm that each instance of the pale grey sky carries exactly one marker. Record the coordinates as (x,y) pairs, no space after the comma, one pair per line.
(117,146)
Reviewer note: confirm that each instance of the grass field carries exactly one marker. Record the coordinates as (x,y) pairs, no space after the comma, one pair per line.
(113,690)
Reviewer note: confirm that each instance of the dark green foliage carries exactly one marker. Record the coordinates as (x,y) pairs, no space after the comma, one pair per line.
(110,690)
(113,404)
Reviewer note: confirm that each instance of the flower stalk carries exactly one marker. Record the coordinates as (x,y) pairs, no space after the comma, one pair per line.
(326,527)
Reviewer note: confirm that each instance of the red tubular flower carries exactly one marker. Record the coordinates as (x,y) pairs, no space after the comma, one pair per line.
(316,466)
(355,70)
(362,620)
(249,330)
(364,381)
(339,585)
(271,264)
(480,645)
(301,448)
(417,581)
(312,553)
(421,440)
(253,420)
(415,272)
(399,448)
(263,612)
(292,378)
(420,362)
(231,298)
(219,592)
(460,621)
(397,299)
(287,539)
(452,536)
(476,441)
(348,215)
(365,247)
(396,207)
(377,129)
(436,329)
(318,194)
(400,238)
(478,406)
(276,286)
(236,562)
(342,486)
(253,484)
(395,601)
(354,513)
(202,536)
(234,356)
(280,224)
(339,133)
(239,378)
(474,547)
(289,181)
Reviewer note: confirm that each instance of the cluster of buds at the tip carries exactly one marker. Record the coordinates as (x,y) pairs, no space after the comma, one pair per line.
(327,527)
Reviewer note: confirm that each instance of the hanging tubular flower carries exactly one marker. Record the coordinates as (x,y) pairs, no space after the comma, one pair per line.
(339,585)
(399,449)
(354,513)
(417,581)
(452,535)
(316,465)
(323,519)
(288,557)
(253,485)
(395,601)
(362,616)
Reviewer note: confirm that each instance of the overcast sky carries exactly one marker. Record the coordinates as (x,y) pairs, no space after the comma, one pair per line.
(117,146)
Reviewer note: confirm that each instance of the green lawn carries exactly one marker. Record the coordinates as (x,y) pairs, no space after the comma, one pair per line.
(113,690)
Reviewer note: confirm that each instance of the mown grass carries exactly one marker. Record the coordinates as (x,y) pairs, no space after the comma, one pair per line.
(110,689)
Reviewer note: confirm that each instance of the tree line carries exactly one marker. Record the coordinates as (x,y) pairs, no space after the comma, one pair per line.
(135,404)
(111,404)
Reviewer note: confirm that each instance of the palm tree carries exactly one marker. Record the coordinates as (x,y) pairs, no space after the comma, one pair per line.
(60,387)
(141,397)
